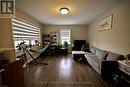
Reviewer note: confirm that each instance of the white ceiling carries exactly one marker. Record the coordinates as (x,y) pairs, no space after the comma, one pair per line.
(81,11)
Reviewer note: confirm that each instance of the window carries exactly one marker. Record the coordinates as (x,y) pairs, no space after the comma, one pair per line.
(24,32)
(65,36)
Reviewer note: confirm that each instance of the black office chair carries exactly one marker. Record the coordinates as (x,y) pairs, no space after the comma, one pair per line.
(78,45)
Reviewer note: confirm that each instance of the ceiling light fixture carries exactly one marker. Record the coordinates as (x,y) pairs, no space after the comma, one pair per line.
(64,10)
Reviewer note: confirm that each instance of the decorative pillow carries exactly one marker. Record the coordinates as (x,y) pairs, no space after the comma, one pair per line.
(113,56)
(93,50)
(100,54)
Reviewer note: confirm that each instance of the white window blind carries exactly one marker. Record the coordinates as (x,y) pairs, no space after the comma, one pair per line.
(65,36)
(24,31)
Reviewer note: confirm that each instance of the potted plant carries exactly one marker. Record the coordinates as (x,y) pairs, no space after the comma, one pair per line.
(65,44)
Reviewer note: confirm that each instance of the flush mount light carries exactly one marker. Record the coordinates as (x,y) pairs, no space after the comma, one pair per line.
(64,10)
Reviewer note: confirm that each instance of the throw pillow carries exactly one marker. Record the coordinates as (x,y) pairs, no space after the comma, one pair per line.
(100,53)
(113,56)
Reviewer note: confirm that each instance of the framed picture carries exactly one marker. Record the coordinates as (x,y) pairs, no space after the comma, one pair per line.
(106,23)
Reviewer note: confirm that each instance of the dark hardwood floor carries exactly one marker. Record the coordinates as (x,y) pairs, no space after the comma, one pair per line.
(62,71)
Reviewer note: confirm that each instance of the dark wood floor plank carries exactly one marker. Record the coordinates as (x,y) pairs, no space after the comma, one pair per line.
(62,71)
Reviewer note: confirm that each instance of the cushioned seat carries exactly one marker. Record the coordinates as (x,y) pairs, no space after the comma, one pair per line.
(94,61)
(78,54)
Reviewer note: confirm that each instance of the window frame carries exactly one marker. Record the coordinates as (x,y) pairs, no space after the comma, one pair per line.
(61,38)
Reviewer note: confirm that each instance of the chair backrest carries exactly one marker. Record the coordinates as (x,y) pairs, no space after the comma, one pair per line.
(78,44)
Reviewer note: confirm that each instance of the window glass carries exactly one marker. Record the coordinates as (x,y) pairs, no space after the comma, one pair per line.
(65,36)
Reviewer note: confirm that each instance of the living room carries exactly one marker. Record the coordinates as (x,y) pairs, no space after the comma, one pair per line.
(45,40)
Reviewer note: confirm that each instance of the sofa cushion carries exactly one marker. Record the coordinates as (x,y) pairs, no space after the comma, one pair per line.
(93,50)
(100,54)
(113,56)
(94,61)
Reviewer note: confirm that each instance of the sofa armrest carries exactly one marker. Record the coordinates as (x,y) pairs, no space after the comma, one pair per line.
(108,68)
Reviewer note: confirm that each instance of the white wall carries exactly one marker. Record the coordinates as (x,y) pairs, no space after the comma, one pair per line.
(6,39)
(6,36)
(78,32)
(27,18)
(116,39)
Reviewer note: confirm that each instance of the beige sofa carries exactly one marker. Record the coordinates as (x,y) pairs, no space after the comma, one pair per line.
(103,62)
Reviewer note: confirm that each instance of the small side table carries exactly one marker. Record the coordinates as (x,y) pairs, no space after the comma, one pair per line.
(63,50)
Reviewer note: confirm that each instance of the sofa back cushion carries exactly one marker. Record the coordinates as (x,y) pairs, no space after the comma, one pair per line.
(113,56)
(101,54)
(93,50)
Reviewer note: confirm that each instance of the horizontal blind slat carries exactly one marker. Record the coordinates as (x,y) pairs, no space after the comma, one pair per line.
(24,31)
(24,27)
(22,23)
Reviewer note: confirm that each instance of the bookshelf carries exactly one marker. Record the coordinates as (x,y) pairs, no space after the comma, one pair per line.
(46,39)
(52,39)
